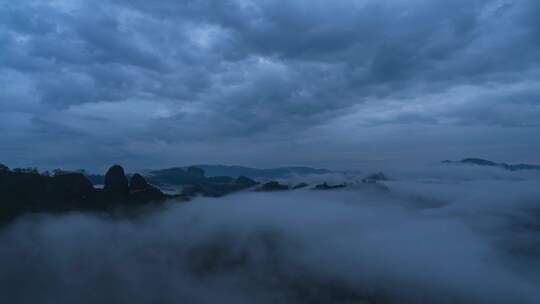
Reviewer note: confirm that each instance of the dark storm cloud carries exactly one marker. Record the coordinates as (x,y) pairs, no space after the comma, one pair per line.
(219,74)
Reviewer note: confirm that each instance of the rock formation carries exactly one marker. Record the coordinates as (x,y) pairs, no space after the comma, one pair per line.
(116,182)
(138,183)
(26,191)
(142,192)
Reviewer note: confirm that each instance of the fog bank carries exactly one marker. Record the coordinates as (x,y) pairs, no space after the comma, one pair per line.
(442,237)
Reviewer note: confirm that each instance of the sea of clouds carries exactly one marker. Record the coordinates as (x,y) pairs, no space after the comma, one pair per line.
(439,234)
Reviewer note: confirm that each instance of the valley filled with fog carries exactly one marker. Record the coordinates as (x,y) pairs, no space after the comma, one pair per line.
(437,234)
(270,152)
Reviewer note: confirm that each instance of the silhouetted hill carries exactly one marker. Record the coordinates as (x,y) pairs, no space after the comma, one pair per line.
(487,163)
(27,191)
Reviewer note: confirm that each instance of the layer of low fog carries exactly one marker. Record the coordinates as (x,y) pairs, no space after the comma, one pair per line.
(435,235)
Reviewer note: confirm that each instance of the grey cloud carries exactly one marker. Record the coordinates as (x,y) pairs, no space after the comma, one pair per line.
(256,69)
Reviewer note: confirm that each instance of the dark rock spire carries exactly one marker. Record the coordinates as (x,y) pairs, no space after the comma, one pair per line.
(116,181)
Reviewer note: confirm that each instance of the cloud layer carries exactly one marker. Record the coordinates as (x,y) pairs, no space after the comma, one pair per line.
(155,83)
(440,236)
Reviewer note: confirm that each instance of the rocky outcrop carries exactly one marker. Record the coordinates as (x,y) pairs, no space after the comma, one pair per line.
(116,182)
(138,183)
(137,191)
(142,192)
(26,191)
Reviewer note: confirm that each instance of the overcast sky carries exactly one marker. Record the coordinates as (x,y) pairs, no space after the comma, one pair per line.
(84,84)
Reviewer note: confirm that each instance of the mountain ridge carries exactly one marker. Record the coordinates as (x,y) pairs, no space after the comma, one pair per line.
(488,163)
(277,172)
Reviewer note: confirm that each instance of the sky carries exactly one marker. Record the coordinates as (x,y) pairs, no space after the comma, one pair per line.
(337,84)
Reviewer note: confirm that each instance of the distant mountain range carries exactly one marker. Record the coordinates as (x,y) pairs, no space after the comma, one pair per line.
(27,190)
(184,175)
(273,173)
(220,173)
(487,163)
